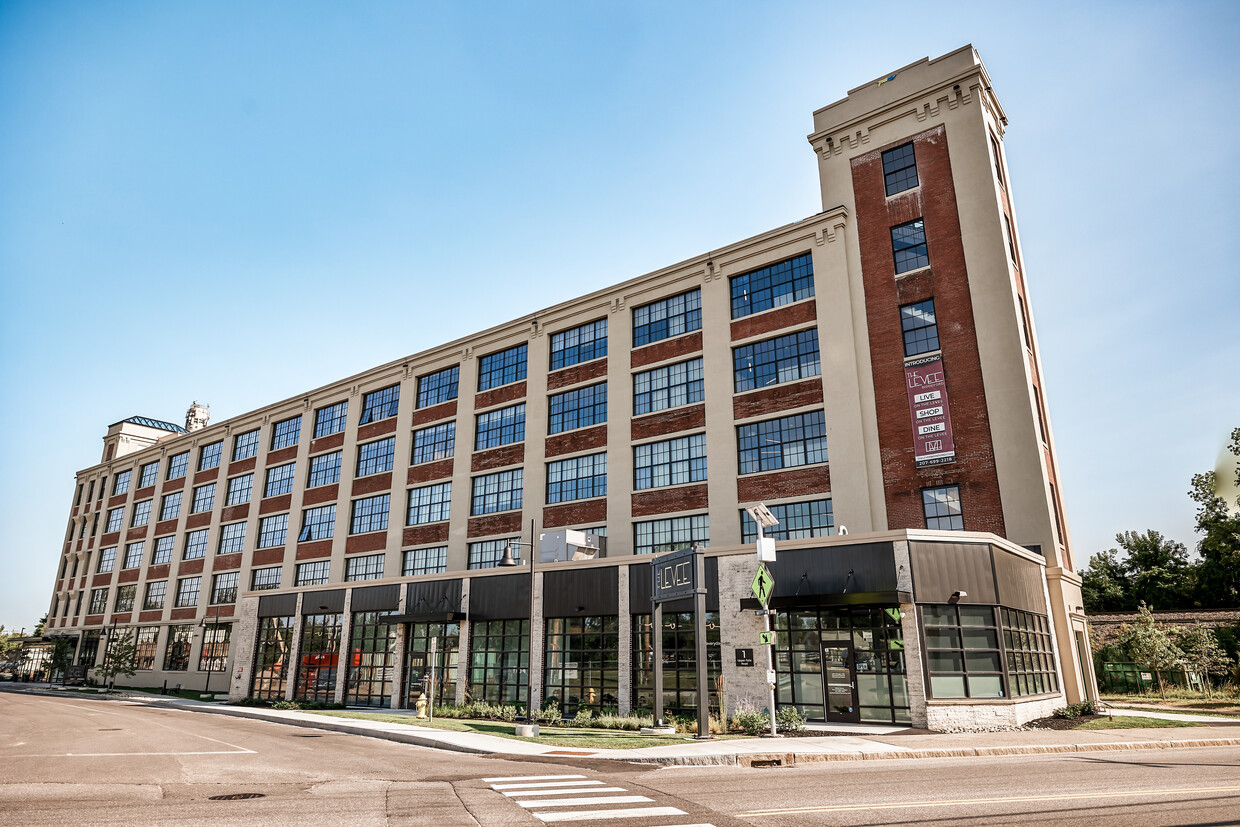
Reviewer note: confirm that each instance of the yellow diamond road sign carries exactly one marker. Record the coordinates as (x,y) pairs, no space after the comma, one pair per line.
(763,586)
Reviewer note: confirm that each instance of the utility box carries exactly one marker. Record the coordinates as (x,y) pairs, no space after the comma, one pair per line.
(568,544)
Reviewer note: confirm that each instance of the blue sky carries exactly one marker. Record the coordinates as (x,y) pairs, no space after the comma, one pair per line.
(237,202)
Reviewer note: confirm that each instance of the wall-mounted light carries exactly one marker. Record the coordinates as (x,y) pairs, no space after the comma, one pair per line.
(959,594)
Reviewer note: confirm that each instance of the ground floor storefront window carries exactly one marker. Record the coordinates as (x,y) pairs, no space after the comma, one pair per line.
(176,652)
(582,663)
(319,659)
(372,649)
(418,665)
(275,638)
(680,689)
(215,646)
(499,661)
(90,648)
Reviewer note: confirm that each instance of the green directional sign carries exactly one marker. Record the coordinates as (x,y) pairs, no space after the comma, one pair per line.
(764,638)
(763,586)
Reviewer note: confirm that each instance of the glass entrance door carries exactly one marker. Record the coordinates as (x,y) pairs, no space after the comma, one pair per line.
(840,681)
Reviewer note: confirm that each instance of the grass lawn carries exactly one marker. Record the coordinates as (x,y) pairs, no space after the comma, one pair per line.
(1133,722)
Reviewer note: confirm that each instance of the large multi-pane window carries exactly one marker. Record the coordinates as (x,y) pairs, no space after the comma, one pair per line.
(317,523)
(500,427)
(658,536)
(156,593)
(582,663)
(1030,656)
(204,498)
(187,592)
(501,368)
(272,531)
(430,504)
(286,432)
(116,519)
(372,652)
(215,645)
(908,246)
(141,513)
(942,509)
(239,489)
(796,521)
(669,317)
(90,645)
(170,506)
(962,652)
(149,474)
(577,408)
(580,344)
(330,420)
(245,445)
(312,574)
(380,404)
(421,671)
(438,387)
(209,455)
(670,462)
(434,443)
(264,579)
(773,286)
(163,550)
(120,485)
(369,567)
(375,457)
(176,651)
(486,554)
(899,169)
(98,601)
(370,514)
(107,559)
(232,538)
(496,492)
(280,479)
(224,588)
(499,660)
(196,544)
(178,466)
(667,387)
(144,645)
(134,553)
(424,561)
(124,598)
(578,478)
(775,361)
(324,470)
(271,657)
(320,653)
(679,662)
(786,442)
(919,328)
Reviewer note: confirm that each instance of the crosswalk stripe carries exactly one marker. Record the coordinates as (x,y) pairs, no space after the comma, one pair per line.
(532,785)
(604,815)
(586,802)
(702,824)
(570,791)
(531,778)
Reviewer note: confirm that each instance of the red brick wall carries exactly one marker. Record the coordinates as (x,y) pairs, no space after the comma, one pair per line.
(281,502)
(198,520)
(666,349)
(157,572)
(105,579)
(372,484)
(135,534)
(777,398)
(233,513)
(421,535)
(311,551)
(321,494)
(117,501)
(227,562)
(776,319)
(328,442)
(796,482)
(583,439)
(438,470)
(110,539)
(144,493)
(127,576)
(444,410)
(366,542)
(669,422)
(495,524)
(267,556)
(500,395)
(150,617)
(576,374)
(242,465)
(575,513)
(207,475)
(373,429)
(190,567)
(165,527)
(668,500)
(173,485)
(282,455)
(498,457)
(183,614)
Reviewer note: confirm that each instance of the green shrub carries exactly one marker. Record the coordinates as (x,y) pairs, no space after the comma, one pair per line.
(788,719)
(583,718)
(251,702)
(1076,710)
(550,715)
(749,719)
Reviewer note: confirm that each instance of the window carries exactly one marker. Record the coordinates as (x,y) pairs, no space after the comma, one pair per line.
(501,368)
(204,498)
(1011,239)
(144,645)
(773,286)
(330,420)
(224,588)
(488,553)
(163,550)
(98,601)
(187,592)
(425,561)
(134,552)
(499,660)
(496,492)
(667,387)
(196,544)
(178,466)
(796,520)
(141,513)
(1030,658)
(434,443)
(324,470)
(908,245)
(920,329)
(899,169)
(775,361)
(280,479)
(372,639)
(272,531)
(782,443)
(962,652)
(375,457)
(149,475)
(232,538)
(239,489)
(124,598)
(320,649)
(155,594)
(286,433)
(370,514)
(209,455)
(313,574)
(581,344)
(380,404)
(667,318)
(176,654)
(116,519)
(658,536)
(577,408)
(500,427)
(582,663)
(90,490)
(994,148)
(170,506)
(671,462)
(275,635)
(942,508)
(121,484)
(578,478)
(214,654)
(317,523)
(430,504)
(264,579)
(245,445)
(438,387)
(107,560)
(94,524)
(369,567)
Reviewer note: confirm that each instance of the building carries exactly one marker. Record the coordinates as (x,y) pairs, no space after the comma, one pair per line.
(872,366)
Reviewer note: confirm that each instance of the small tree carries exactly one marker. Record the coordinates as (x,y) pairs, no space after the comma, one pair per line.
(121,658)
(1148,643)
(1203,654)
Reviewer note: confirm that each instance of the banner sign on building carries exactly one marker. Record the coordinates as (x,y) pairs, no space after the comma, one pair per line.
(674,575)
(927,401)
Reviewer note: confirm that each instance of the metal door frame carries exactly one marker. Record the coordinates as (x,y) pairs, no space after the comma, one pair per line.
(829,714)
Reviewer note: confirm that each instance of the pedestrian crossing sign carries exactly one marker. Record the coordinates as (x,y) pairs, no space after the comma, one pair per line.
(763,586)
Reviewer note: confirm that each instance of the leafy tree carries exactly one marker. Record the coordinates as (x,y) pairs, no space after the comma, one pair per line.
(9,644)
(38,628)
(121,657)
(61,656)
(1158,569)
(1105,583)
(1150,644)
(1218,573)
(1203,654)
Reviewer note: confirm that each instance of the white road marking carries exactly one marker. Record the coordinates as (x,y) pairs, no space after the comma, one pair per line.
(573,791)
(586,802)
(136,754)
(545,784)
(192,735)
(531,778)
(604,815)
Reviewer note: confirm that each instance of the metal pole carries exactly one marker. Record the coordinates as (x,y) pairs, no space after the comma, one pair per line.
(529,669)
(699,635)
(770,649)
(210,661)
(431,704)
(657,623)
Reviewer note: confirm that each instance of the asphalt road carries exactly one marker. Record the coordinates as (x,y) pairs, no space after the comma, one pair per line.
(82,760)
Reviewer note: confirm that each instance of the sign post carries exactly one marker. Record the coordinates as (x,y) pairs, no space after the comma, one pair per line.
(763,587)
(675,575)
